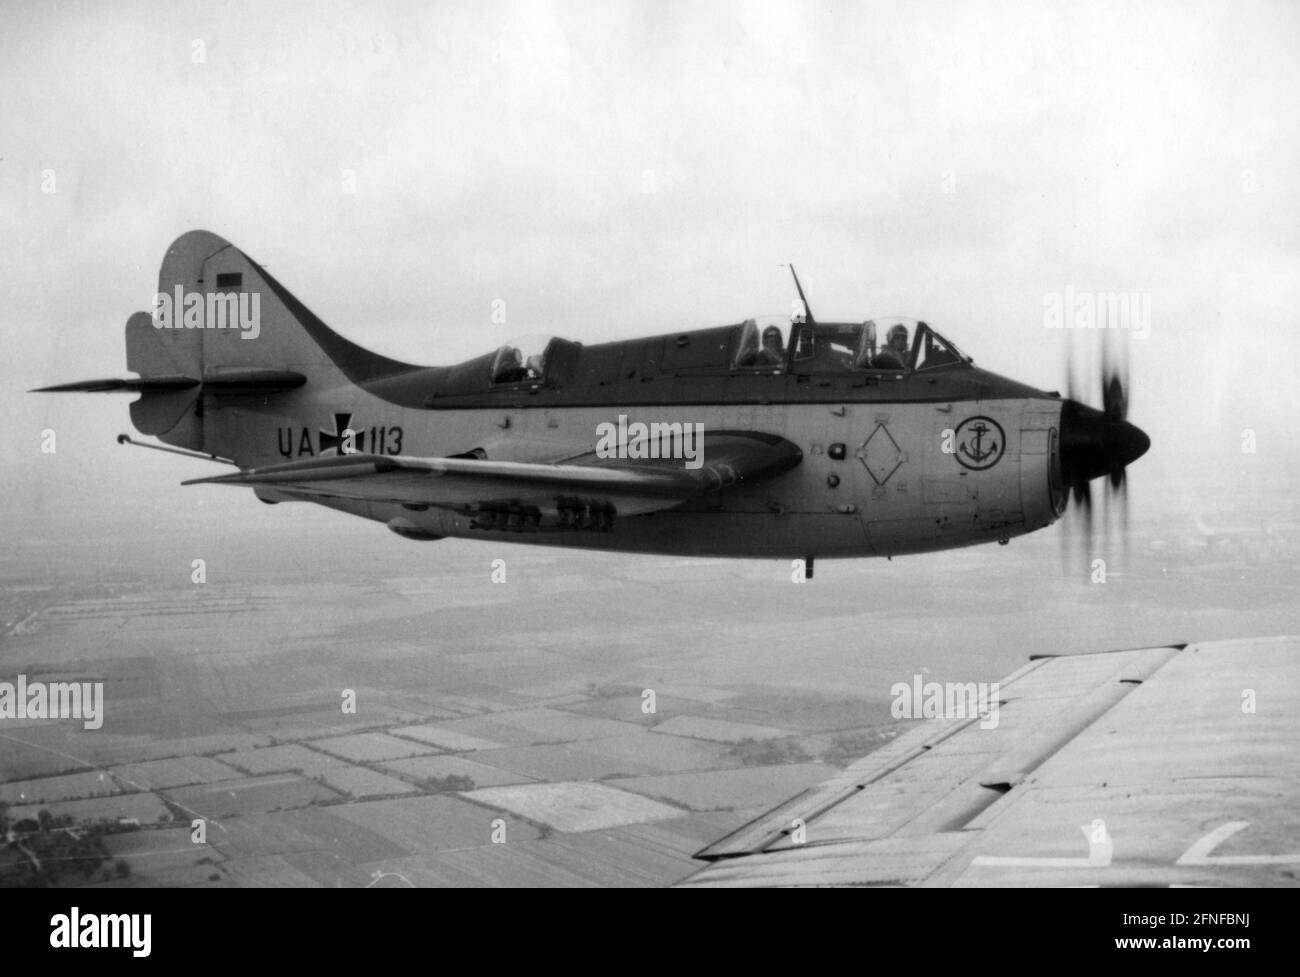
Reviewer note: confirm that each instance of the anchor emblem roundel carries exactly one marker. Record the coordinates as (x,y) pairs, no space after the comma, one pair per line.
(979,443)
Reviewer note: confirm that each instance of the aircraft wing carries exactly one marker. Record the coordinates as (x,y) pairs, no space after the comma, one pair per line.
(625,486)
(1157,766)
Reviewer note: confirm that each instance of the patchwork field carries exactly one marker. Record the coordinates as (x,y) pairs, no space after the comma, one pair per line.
(595,721)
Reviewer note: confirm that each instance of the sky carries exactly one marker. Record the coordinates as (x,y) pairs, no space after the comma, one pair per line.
(616,169)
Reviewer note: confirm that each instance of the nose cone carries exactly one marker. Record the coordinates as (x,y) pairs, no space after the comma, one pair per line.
(1130,443)
(1093,445)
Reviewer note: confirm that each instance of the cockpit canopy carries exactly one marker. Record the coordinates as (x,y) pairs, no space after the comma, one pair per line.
(768,344)
(893,344)
(534,359)
(762,343)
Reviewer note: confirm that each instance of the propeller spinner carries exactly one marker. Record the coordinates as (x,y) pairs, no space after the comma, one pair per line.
(1100,443)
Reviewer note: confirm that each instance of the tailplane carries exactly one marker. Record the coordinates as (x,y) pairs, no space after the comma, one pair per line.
(221,329)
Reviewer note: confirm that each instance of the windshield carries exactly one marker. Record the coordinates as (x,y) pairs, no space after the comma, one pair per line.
(933,350)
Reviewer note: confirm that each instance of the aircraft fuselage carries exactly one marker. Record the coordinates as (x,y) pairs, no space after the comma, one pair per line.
(877,477)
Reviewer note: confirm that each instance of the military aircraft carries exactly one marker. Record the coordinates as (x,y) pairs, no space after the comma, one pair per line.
(773,437)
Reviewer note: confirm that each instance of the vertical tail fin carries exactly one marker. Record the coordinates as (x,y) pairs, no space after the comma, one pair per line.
(222,318)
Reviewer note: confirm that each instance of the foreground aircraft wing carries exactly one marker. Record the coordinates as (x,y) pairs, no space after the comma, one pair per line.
(466,484)
(1158,766)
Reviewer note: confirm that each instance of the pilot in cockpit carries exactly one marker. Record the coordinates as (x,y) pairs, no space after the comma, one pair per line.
(773,351)
(509,366)
(893,355)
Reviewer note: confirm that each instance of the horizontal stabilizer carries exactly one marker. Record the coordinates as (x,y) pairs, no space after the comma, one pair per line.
(225,382)
(114,385)
(230,382)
